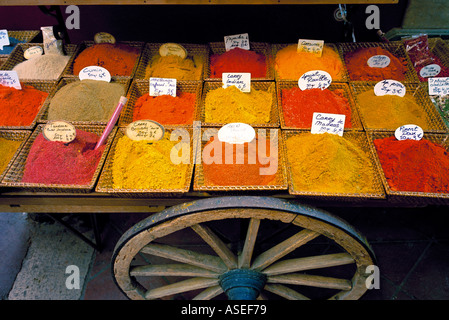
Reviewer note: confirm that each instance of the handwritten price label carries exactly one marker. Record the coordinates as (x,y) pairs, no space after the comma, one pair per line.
(311,46)
(33,52)
(328,122)
(409,131)
(430,70)
(438,86)
(95,73)
(162,86)
(10,79)
(236,133)
(379,61)
(316,79)
(4,38)
(104,37)
(389,87)
(240,80)
(237,41)
(148,130)
(59,131)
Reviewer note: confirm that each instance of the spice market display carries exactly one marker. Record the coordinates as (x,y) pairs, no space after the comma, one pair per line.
(329,161)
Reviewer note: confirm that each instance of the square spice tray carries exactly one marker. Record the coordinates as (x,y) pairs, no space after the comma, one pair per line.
(64,81)
(41,85)
(200,51)
(140,87)
(279,46)
(396,48)
(410,197)
(258,47)
(14,135)
(360,139)
(105,183)
(13,177)
(280,182)
(434,120)
(267,86)
(356,123)
(22,35)
(17,56)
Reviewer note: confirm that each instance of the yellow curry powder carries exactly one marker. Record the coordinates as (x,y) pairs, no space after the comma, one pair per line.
(329,163)
(225,105)
(7,150)
(147,165)
(175,67)
(391,111)
(290,64)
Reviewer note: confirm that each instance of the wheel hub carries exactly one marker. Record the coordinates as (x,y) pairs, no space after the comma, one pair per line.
(242,284)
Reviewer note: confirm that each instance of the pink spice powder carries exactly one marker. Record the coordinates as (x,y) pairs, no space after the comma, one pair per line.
(51,162)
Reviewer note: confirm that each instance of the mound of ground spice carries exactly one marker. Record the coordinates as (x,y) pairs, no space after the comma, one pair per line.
(238,60)
(50,162)
(175,67)
(44,67)
(359,70)
(299,105)
(414,165)
(166,109)
(20,107)
(7,150)
(119,59)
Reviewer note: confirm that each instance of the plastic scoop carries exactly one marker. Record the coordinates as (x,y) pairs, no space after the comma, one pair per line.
(111,122)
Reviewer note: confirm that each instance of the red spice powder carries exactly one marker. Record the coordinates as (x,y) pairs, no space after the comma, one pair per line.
(238,60)
(20,107)
(166,109)
(299,105)
(358,68)
(243,169)
(411,165)
(50,162)
(119,59)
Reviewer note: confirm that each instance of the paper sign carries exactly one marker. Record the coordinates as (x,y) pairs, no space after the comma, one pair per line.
(438,86)
(312,46)
(315,79)
(236,133)
(162,86)
(328,122)
(10,79)
(240,80)
(172,49)
(104,37)
(95,73)
(237,41)
(409,131)
(148,130)
(4,38)
(59,131)
(430,70)
(389,87)
(379,61)
(33,52)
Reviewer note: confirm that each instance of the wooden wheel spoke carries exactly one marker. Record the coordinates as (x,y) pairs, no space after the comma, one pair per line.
(285,247)
(180,270)
(284,292)
(186,256)
(250,241)
(309,263)
(217,245)
(209,293)
(178,287)
(312,281)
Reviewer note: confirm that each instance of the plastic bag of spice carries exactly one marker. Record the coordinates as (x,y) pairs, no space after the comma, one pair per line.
(417,48)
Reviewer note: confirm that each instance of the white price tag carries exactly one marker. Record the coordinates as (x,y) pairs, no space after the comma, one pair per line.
(104,37)
(316,79)
(389,87)
(59,131)
(148,130)
(10,79)
(162,86)
(438,86)
(237,41)
(95,73)
(409,131)
(4,38)
(33,52)
(328,122)
(379,61)
(240,80)
(236,133)
(311,46)
(170,48)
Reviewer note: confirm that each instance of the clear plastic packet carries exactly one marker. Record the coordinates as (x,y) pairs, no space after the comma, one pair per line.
(51,44)
(417,47)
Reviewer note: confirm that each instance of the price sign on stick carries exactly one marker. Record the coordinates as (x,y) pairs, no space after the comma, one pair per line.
(95,73)
(311,46)
(439,86)
(162,86)
(59,131)
(240,80)
(237,41)
(316,79)
(236,133)
(10,79)
(327,122)
(4,38)
(409,131)
(389,87)
(148,130)
(379,61)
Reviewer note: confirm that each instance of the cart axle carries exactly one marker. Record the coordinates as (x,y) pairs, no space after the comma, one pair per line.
(242,284)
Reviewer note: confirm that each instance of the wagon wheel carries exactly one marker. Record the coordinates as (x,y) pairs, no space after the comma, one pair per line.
(247,248)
